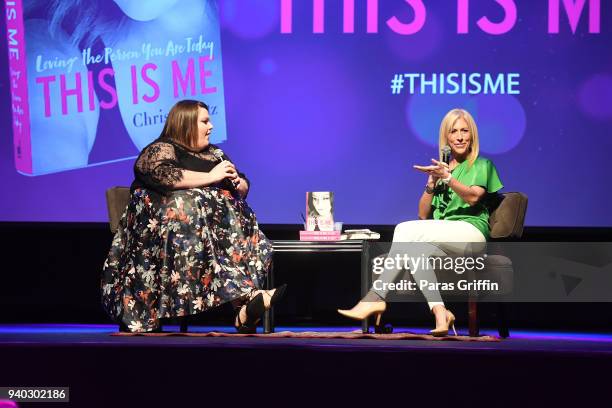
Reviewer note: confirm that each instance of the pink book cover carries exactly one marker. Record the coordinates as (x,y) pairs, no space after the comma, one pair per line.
(319,235)
(320,211)
(18,85)
(92,81)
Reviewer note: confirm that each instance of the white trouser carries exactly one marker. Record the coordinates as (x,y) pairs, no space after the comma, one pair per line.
(435,238)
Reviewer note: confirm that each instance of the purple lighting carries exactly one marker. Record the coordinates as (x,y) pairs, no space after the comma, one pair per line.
(534,335)
(109,328)
(595,96)
(501,119)
(417,47)
(250,19)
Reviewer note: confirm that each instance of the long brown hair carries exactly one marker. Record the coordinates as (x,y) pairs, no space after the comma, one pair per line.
(182,123)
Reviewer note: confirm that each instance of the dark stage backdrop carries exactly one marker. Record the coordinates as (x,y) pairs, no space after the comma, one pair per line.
(321,95)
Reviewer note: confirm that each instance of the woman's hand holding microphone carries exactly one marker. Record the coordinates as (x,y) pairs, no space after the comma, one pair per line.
(226,169)
(223,170)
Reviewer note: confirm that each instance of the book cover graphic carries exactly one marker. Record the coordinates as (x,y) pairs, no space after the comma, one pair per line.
(92,82)
(320,211)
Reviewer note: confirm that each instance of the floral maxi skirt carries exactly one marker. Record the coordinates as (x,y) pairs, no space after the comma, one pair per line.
(182,254)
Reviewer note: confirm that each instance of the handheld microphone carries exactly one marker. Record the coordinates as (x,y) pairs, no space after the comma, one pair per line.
(446,153)
(218,153)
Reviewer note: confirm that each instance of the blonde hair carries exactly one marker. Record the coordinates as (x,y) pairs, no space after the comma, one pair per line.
(447,125)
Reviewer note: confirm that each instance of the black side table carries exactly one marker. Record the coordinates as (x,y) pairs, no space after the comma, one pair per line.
(322,247)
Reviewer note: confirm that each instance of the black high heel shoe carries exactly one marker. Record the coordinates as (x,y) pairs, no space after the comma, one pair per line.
(254,310)
(277,296)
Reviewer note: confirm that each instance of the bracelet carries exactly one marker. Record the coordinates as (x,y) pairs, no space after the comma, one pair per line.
(428,189)
(448,179)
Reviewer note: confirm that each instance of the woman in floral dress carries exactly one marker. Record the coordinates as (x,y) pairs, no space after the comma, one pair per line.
(188,241)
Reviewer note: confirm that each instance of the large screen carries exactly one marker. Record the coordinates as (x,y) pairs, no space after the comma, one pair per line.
(309,95)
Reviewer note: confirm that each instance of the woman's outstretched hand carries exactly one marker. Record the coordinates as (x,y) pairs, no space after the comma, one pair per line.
(437,170)
(223,170)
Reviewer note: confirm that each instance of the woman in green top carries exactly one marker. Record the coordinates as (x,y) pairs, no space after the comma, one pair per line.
(453,220)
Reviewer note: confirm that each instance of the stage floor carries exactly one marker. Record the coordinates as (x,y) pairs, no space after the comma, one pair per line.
(528,369)
(83,335)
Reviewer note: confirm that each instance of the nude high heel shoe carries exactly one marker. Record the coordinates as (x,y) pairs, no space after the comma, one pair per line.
(363,310)
(443,330)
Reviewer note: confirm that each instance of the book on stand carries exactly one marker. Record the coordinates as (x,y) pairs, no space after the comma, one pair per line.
(320,217)
(319,211)
(319,235)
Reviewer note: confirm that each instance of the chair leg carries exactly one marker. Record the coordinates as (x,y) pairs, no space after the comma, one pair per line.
(473,317)
(268,317)
(502,321)
(183,325)
(365,279)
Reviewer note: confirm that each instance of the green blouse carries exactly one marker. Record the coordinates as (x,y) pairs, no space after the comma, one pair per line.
(448,205)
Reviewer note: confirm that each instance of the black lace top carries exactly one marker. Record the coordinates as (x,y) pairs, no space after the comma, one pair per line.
(160,165)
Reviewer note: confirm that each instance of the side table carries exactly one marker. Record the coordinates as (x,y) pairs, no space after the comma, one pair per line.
(322,247)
